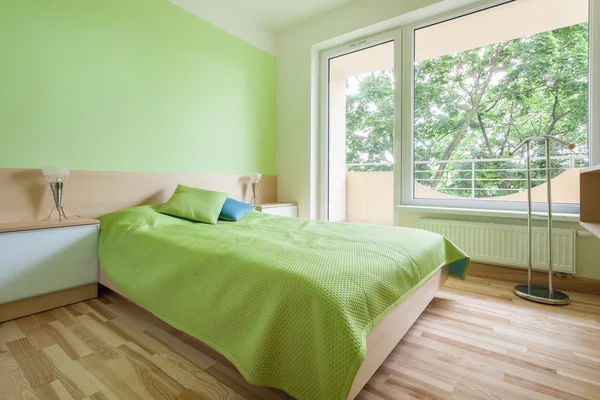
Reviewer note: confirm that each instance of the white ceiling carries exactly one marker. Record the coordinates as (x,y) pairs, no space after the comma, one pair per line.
(277,15)
(258,21)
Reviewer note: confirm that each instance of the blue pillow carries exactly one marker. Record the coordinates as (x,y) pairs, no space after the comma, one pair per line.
(233,210)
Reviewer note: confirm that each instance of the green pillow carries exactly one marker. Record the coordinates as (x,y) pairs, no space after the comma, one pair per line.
(195,204)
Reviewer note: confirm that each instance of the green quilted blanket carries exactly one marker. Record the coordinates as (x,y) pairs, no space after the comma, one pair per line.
(288,301)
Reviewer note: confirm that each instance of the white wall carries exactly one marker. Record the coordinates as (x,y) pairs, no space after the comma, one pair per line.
(297,72)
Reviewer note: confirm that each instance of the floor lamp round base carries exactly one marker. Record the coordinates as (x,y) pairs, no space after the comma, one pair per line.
(541,294)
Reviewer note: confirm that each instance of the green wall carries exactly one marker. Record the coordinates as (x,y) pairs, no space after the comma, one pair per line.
(131,85)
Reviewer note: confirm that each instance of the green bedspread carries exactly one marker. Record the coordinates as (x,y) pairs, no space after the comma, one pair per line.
(289,301)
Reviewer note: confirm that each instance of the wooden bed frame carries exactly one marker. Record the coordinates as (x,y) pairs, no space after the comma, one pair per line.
(26,195)
(93,193)
(385,336)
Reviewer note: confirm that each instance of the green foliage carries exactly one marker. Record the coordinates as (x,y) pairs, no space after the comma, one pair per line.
(479,104)
(370,121)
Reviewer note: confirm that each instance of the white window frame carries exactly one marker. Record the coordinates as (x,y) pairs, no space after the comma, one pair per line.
(404,127)
(407,157)
(394,35)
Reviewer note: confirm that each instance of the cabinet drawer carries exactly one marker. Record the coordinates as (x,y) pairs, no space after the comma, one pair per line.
(42,261)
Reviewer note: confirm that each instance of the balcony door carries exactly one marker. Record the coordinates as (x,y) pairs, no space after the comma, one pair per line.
(358,148)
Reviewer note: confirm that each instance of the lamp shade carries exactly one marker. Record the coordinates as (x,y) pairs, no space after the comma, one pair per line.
(56,174)
(255,178)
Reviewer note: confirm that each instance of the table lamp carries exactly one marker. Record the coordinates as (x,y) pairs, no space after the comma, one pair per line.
(56,177)
(254,179)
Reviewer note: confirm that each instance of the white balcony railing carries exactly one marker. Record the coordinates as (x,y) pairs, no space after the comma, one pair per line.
(475,167)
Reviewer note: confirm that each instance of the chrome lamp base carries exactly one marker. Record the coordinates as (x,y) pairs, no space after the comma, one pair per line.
(57,189)
(61,213)
(254,201)
(541,294)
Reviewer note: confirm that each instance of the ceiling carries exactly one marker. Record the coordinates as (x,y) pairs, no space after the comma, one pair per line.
(281,14)
(258,21)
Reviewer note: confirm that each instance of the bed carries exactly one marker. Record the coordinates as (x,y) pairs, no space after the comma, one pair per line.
(309,307)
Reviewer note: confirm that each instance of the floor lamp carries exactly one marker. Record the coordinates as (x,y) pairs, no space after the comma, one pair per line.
(537,293)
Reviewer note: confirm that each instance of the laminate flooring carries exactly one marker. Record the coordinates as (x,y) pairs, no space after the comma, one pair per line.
(475,340)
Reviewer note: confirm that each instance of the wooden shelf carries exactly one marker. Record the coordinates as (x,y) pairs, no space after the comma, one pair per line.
(591,170)
(592,227)
(589,199)
(34,225)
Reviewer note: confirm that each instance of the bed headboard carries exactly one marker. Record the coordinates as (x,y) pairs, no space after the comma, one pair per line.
(25,194)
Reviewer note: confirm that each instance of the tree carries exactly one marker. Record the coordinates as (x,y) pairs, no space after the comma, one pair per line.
(479,104)
(370,121)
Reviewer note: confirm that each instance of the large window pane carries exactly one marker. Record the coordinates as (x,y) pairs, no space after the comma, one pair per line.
(486,81)
(361,136)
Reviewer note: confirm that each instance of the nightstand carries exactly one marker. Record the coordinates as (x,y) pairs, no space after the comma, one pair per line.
(283,209)
(47,264)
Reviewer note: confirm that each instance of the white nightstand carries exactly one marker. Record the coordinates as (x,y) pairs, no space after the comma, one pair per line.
(47,264)
(283,209)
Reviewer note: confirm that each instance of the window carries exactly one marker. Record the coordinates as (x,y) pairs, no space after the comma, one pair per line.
(485,81)
(361,135)
(434,125)
(358,130)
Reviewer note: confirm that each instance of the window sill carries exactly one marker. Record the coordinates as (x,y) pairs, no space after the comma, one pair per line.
(491,213)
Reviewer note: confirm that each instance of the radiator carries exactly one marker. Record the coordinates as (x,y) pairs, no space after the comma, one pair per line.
(507,244)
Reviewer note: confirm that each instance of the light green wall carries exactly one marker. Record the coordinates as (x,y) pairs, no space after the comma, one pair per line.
(131,85)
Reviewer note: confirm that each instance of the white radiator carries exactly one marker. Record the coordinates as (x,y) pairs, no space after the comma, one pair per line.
(507,244)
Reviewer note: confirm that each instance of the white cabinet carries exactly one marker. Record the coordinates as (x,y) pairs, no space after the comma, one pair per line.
(45,258)
(283,209)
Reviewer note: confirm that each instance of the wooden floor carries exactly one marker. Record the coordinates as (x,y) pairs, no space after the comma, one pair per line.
(476,340)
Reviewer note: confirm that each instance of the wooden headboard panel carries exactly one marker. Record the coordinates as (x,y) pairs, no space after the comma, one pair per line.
(25,194)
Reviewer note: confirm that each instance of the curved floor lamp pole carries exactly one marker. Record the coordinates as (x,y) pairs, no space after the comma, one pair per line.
(540,294)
